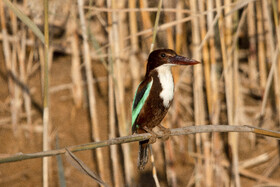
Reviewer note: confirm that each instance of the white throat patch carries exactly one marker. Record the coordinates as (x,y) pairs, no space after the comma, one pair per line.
(167,84)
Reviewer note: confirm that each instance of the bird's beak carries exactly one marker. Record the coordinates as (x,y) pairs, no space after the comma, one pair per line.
(180,60)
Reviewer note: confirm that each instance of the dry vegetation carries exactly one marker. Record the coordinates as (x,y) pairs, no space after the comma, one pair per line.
(96,60)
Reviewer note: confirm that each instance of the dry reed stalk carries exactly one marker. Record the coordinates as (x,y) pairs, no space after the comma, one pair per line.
(231,87)
(228,62)
(118,175)
(46,115)
(191,180)
(238,109)
(205,57)
(179,27)
(238,101)
(270,44)
(208,172)
(118,67)
(29,61)
(21,50)
(278,8)
(206,62)
(252,162)
(259,178)
(272,165)
(19,72)
(91,90)
(179,38)
(261,47)
(170,163)
(13,73)
(278,36)
(50,56)
(77,86)
(270,54)
(199,111)
(41,58)
(214,115)
(170,41)
(133,26)
(122,67)
(238,98)
(17,100)
(118,179)
(269,36)
(155,28)
(8,62)
(147,24)
(277,78)
(133,60)
(154,167)
(270,49)
(224,61)
(216,143)
(169,31)
(269,81)
(252,58)
(17,92)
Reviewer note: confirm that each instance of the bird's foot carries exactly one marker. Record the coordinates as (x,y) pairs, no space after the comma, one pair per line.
(166,132)
(154,136)
(153,139)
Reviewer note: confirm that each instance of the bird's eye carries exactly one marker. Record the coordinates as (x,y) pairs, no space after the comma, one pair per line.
(163,55)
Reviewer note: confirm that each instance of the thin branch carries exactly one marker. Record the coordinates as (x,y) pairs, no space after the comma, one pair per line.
(141,137)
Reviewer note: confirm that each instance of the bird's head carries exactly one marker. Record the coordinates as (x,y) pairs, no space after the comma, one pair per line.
(167,57)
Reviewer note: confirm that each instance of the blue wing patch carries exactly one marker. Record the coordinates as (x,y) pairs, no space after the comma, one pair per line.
(138,102)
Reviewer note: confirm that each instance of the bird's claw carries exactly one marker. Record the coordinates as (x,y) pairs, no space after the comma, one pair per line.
(153,139)
(166,132)
(154,136)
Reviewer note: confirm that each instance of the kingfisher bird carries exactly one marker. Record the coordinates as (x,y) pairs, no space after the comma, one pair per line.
(154,96)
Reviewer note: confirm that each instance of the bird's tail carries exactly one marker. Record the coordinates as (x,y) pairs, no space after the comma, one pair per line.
(143,154)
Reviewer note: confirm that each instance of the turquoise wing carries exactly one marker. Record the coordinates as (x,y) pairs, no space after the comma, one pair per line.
(138,102)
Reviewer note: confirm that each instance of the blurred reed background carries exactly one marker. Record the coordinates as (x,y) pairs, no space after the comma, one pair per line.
(97,59)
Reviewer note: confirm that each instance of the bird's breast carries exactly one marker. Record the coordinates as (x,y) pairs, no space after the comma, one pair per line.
(167,84)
